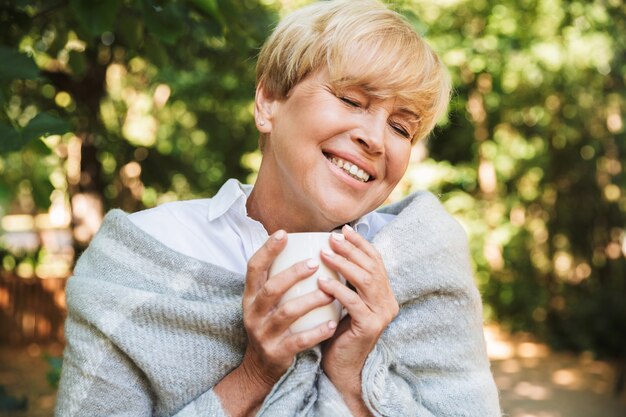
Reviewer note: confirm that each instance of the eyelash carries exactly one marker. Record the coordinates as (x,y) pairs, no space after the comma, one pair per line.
(401,131)
(396,127)
(350,102)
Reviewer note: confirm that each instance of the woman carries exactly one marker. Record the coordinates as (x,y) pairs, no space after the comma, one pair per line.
(171,311)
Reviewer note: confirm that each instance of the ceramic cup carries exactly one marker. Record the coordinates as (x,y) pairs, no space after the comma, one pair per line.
(302,246)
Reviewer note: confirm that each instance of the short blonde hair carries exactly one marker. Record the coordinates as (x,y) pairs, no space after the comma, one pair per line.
(361,43)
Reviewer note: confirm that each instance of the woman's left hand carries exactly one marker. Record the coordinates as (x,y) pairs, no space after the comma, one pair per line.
(371,306)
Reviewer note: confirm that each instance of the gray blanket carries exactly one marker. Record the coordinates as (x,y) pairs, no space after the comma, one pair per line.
(151,331)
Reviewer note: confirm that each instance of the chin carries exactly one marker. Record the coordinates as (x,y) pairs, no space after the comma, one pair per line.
(340,211)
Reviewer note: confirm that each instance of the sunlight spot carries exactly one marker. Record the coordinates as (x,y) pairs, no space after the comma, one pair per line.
(614,122)
(532,391)
(562,263)
(493,253)
(487,177)
(565,377)
(161,94)
(497,347)
(613,250)
(518,216)
(612,192)
(582,272)
(532,350)
(63,99)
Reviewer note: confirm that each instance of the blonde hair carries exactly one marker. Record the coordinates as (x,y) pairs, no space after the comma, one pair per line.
(361,43)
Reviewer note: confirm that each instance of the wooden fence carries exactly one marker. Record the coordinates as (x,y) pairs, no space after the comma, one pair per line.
(32,310)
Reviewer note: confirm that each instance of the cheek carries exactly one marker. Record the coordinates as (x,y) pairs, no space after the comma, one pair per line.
(398,161)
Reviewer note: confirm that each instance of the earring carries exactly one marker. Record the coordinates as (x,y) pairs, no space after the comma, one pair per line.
(261,122)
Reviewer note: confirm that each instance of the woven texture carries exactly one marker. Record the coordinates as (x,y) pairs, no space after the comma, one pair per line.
(151,332)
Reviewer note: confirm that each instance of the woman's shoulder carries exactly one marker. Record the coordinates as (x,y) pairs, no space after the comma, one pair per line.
(423,214)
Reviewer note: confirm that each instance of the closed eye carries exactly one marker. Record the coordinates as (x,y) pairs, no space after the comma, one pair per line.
(350,101)
(400,130)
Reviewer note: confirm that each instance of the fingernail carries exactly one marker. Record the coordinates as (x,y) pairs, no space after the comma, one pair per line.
(332,324)
(348,228)
(312,263)
(338,236)
(323,278)
(279,235)
(328,252)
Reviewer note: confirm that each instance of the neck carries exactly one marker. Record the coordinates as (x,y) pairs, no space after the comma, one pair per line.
(270,206)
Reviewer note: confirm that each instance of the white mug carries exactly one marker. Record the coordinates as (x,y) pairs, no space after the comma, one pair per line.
(302,246)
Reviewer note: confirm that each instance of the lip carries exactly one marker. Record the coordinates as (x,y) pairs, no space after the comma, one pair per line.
(355,160)
(346,178)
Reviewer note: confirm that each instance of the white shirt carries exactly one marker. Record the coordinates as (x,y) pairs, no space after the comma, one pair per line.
(218,230)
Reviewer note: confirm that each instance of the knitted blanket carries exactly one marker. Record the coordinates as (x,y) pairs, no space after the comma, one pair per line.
(151,332)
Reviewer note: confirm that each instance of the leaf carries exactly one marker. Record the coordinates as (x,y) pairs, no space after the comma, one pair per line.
(130,28)
(97,16)
(209,7)
(155,52)
(10,139)
(14,65)
(164,20)
(78,63)
(44,125)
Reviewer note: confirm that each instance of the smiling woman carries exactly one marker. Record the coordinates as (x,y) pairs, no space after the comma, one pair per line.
(173,308)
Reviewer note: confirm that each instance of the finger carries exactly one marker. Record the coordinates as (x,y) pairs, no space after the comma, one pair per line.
(373,288)
(349,299)
(271,292)
(259,264)
(307,339)
(354,254)
(360,242)
(360,278)
(292,310)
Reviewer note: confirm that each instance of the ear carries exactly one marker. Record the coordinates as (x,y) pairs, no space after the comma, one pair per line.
(263,109)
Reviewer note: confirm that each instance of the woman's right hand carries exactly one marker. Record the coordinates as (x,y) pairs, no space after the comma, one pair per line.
(271,346)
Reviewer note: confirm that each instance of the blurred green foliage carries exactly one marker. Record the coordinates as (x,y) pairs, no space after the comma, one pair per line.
(159,96)
(531,159)
(167,84)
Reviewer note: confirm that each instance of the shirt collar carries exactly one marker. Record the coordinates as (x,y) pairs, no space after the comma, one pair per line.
(232,194)
(362,226)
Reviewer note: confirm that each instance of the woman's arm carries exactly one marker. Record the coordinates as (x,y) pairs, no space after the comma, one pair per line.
(148,348)
(271,347)
(431,359)
(371,306)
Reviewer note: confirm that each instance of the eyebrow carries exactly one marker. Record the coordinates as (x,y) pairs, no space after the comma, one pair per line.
(371,92)
(410,113)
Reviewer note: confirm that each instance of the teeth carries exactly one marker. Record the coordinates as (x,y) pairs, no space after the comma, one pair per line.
(351,169)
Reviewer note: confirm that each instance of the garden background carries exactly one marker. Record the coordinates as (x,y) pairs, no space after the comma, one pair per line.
(133,103)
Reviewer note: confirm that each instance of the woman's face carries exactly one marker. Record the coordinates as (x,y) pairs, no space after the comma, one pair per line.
(332,156)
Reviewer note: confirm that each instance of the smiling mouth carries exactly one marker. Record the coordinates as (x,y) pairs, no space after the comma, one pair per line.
(349,168)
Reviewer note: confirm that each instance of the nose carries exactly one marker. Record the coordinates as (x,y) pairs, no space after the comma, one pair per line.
(372,134)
